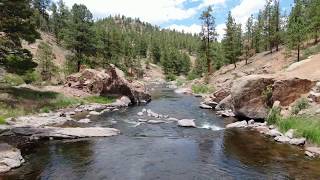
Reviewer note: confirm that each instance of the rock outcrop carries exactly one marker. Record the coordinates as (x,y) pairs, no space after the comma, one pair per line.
(253,95)
(110,82)
(247,96)
(10,158)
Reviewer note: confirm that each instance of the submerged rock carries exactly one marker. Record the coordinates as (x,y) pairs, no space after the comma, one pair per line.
(183,91)
(156,121)
(10,158)
(186,123)
(312,151)
(140,113)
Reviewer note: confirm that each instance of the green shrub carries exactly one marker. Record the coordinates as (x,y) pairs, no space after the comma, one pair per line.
(192,75)
(267,94)
(45,109)
(300,105)
(99,99)
(274,115)
(2,120)
(13,79)
(171,77)
(31,77)
(180,82)
(308,127)
(201,89)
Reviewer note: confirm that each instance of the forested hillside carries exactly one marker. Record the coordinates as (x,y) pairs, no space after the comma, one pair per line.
(126,42)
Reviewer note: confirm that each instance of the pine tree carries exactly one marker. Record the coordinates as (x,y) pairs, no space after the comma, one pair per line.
(296,28)
(79,36)
(41,15)
(16,24)
(276,25)
(208,34)
(45,59)
(230,41)
(313,14)
(257,33)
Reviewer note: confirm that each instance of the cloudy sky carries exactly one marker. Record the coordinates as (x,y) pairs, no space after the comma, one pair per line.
(177,14)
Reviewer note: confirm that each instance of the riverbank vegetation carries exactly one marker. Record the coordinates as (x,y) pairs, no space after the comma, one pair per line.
(304,126)
(16,101)
(202,89)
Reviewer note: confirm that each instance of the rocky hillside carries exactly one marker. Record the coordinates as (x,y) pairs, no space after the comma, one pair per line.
(251,89)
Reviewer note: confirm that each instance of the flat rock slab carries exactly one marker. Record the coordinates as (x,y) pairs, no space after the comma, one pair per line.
(204,106)
(66,133)
(186,123)
(46,119)
(10,157)
(240,124)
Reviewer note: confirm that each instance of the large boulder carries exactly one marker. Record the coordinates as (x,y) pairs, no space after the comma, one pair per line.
(247,96)
(289,90)
(10,158)
(110,82)
(252,96)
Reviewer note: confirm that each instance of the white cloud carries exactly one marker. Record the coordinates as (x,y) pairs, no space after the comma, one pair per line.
(153,11)
(243,11)
(194,28)
(206,3)
(220,31)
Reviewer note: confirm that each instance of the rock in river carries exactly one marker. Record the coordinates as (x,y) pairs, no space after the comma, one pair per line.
(10,157)
(239,124)
(186,123)
(204,106)
(66,133)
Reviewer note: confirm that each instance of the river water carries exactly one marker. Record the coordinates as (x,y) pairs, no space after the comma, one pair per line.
(165,151)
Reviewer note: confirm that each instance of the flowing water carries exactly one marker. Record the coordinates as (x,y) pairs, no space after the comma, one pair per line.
(165,151)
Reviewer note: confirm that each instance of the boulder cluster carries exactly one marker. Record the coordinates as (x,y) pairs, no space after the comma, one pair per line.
(109,82)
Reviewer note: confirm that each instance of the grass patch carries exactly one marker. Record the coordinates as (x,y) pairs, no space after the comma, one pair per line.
(99,99)
(273,116)
(13,79)
(308,127)
(171,77)
(180,82)
(311,51)
(22,101)
(300,105)
(201,89)
(2,120)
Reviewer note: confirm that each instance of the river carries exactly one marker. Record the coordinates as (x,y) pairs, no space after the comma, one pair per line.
(166,151)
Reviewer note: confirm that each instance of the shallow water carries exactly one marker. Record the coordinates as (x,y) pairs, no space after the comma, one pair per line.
(165,151)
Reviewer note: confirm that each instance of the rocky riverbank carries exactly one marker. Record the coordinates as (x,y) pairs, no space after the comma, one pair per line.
(272,132)
(55,125)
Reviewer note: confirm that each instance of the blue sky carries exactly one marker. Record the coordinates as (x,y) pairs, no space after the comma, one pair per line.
(177,14)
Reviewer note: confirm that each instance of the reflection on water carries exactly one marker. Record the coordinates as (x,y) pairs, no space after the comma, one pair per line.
(165,151)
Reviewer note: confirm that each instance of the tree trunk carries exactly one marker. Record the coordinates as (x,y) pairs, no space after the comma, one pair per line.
(298,52)
(78,65)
